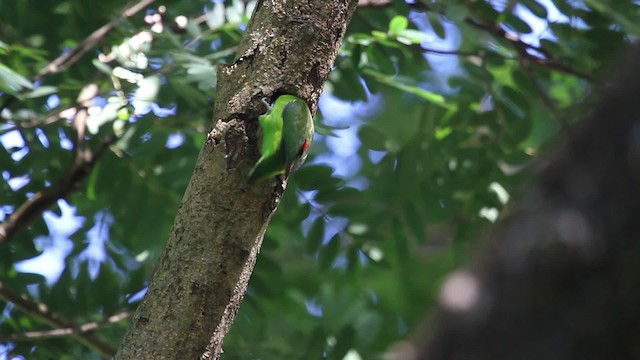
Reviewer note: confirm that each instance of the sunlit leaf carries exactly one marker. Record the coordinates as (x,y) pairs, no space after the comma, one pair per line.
(398,24)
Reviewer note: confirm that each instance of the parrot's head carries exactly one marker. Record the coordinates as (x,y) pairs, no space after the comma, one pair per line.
(302,155)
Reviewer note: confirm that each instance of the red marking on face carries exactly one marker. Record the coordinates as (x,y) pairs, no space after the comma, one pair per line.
(304,147)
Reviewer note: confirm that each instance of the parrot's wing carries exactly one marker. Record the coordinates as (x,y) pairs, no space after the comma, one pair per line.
(272,127)
(287,131)
(297,133)
(271,161)
(268,167)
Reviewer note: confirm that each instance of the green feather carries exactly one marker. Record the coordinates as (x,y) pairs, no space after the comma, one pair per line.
(297,134)
(287,132)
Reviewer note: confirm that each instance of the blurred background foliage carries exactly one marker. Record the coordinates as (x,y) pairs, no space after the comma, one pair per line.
(433,113)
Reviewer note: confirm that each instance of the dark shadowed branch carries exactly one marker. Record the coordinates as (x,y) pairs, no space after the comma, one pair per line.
(524,49)
(561,277)
(67,59)
(42,312)
(83,162)
(65,331)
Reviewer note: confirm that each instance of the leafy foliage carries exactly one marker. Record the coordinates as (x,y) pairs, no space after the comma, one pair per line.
(430,115)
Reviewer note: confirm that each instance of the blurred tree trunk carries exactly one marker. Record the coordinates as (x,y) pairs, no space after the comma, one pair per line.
(202,275)
(561,277)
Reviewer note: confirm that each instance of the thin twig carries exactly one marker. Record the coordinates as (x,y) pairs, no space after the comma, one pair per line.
(66,60)
(70,58)
(82,165)
(560,67)
(549,62)
(43,312)
(374,3)
(482,54)
(546,100)
(65,331)
(522,48)
(56,115)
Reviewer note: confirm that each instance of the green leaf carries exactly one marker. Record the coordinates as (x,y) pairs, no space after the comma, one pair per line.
(372,138)
(525,84)
(101,66)
(379,35)
(193,28)
(436,25)
(347,210)
(188,93)
(324,129)
(315,236)
(517,24)
(519,126)
(478,72)
(266,264)
(313,177)
(536,8)
(105,115)
(457,13)
(39,92)
(518,103)
(353,259)
(215,17)
(348,85)
(624,19)
(469,90)
(415,220)
(26,278)
(345,341)
(484,11)
(316,341)
(12,82)
(411,36)
(356,55)
(329,253)
(204,74)
(432,97)
(379,58)
(398,24)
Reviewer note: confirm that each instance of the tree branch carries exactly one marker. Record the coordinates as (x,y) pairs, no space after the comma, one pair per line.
(83,163)
(374,3)
(551,61)
(546,100)
(52,117)
(521,47)
(66,60)
(66,331)
(201,277)
(42,312)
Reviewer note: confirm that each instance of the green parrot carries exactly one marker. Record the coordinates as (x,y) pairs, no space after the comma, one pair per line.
(287,132)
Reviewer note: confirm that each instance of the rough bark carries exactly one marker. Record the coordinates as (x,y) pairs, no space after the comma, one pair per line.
(561,278)
(202,275)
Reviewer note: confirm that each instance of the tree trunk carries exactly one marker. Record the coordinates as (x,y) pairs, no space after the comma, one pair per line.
(561,278)
(202,275)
